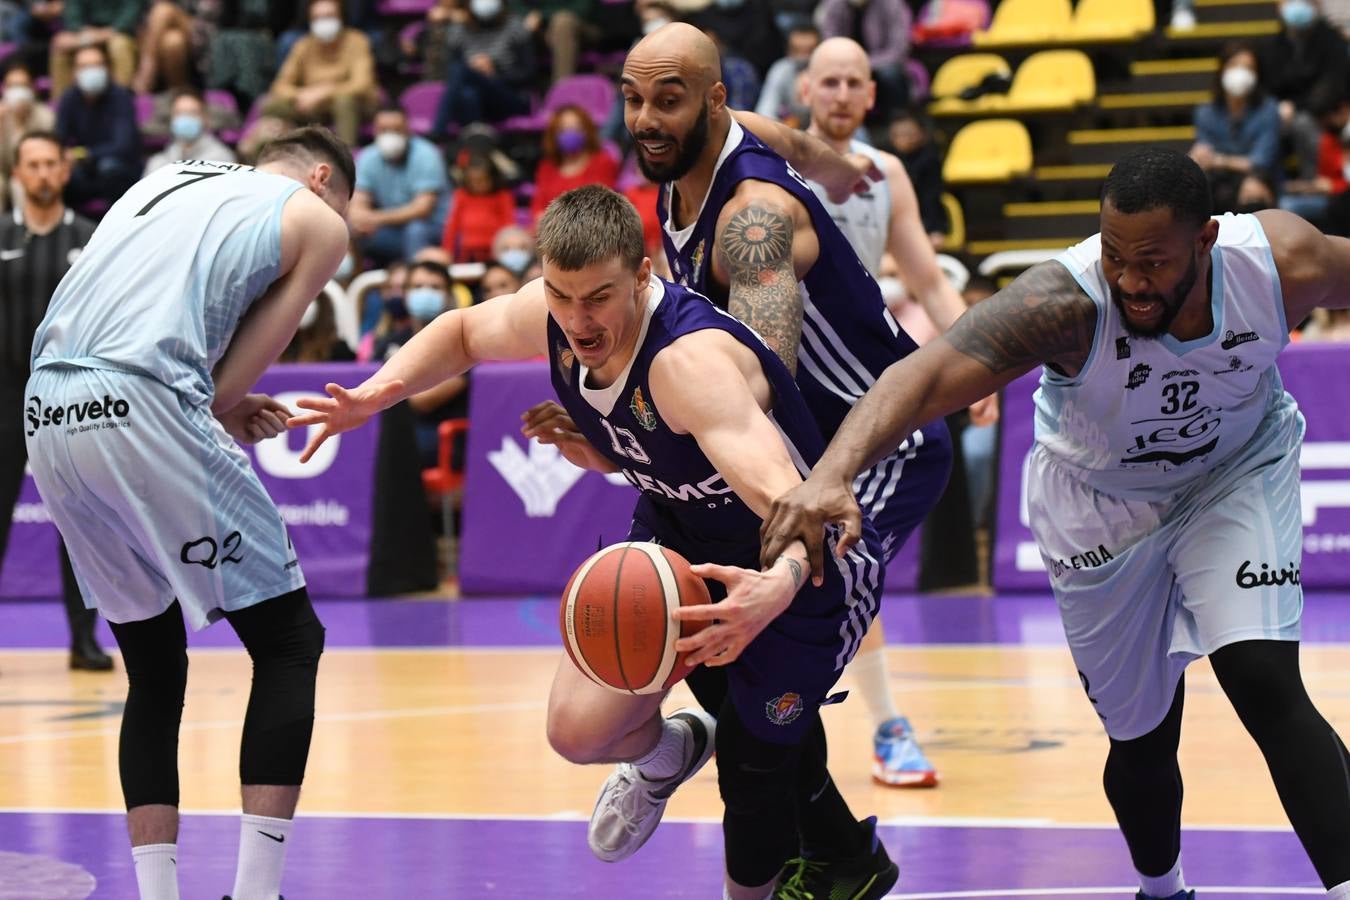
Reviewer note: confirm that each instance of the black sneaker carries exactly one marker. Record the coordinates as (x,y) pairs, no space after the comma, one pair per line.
(867,876)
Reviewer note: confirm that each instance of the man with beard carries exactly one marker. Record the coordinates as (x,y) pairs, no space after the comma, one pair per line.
(839,91)
(37,245)
(1163,490)
(743,227)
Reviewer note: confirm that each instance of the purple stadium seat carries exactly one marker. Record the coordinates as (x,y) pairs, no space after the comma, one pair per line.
(405,7)
(918,80)
(593,93)
(7,49)
(145,109)
(942,23)
(419,101)
(222,100)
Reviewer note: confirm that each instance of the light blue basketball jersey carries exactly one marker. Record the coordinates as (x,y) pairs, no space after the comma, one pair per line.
(1147,417)
(169,273)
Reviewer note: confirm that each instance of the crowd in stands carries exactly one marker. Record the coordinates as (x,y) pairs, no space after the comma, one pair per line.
(463,131)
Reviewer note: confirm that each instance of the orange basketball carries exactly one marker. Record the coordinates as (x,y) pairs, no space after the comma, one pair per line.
(615,616)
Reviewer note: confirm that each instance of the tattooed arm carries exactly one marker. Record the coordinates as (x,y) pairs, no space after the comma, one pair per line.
(764,238)
(1043,317)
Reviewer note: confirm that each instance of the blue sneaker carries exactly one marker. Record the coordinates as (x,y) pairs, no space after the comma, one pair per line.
(897,760)
(1179,895)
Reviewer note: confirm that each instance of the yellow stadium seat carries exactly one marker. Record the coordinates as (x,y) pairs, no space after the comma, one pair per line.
(1111,20)
(1020,22)
(959,73)
(956,223)
(1050,80)
(989,150)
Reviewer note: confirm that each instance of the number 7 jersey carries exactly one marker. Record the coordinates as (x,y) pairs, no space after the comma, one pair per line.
(168,274)
(1147,417)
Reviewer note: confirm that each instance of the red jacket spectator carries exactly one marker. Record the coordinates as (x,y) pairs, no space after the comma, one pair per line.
(573,158)
(1331,161)
(478,210)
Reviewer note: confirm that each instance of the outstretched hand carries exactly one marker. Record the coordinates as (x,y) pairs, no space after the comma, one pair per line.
(754,599)
(802,514)
(549,423)
(342,410)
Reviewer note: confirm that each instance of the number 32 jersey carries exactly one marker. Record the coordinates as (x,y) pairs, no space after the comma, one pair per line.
(1147,417)
(172,268)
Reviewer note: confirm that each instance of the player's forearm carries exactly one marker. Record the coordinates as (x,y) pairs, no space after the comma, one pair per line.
(435,354)
(809,155)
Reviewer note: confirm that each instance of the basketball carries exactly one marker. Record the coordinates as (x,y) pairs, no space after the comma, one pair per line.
(616,616)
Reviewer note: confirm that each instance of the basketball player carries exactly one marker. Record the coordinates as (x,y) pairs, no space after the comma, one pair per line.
(1163,488)
(708,424)
(193,283)
(839,90)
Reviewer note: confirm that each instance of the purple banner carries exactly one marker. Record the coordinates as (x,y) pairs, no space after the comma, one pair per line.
(530,516)
(1312,373)
(326,503)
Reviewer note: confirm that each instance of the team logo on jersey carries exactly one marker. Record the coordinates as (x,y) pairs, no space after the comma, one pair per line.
(1231,340)
(784,709)
(1235,364)
(642,410)
(1122,348)
(566,358)
(1179,373)
(78,417)
(1138,375)
(1086,559)
(696,262)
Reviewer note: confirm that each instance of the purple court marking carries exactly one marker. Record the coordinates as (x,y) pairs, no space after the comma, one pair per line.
(1017,619)
(401,858)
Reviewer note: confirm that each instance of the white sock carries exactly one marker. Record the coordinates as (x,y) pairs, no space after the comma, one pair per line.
(667,757)
(262,856)
(872,677)
(1340,891)
(1164,885)
(156,871)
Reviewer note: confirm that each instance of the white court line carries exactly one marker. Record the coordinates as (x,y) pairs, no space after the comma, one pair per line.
(367,716)
(579,816)
(1075,891)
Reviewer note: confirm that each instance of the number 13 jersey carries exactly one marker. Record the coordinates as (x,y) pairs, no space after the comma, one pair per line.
(1147,417)
(172,268)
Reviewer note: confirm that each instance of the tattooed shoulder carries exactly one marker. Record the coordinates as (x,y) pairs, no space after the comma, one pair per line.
(755,247)
(1042,317)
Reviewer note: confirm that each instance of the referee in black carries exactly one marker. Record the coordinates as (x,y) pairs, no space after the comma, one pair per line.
(38,242)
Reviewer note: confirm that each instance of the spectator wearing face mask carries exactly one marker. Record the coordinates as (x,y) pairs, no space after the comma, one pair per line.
(1237,135)
(481,207)
(392,322)
(572,158)
(316,338)
(429,295)
(96,121)
(514,248)
(497,281)
(1306,53)
(401,191)
(20,113)
(329,75)
(191,138)
(491,65)
(780,98)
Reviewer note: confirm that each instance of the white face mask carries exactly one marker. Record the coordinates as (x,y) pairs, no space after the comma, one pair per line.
(391,144)
(652,24)
(1238,80)
(18,95)
(892,289)
(326,29)
(93,80)
(311,313)
(485,9)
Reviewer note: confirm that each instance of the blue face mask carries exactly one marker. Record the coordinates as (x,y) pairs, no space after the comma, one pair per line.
(425,303)
(517,259)
(186,128)
(1297,13)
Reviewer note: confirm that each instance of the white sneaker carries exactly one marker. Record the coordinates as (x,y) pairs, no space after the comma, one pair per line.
(1183,20)
(630,807)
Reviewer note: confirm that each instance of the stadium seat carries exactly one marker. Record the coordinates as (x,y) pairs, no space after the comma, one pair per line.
(419,101)
(918,80)
(1026,22)
(405,7)
(1049,80)
(446,484)
(1111,20)
(949,23)
(593,93)
(989,150)
(961,72)
(956,223)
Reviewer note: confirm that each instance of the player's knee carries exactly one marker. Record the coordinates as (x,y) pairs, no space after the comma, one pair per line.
(573,738)
(1263,682)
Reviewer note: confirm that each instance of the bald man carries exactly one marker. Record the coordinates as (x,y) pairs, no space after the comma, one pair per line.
(744,228)
(839,90)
